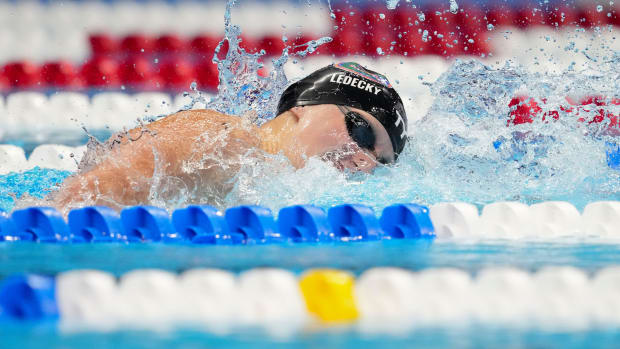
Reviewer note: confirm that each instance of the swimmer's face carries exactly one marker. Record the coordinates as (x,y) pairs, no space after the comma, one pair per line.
(322,131)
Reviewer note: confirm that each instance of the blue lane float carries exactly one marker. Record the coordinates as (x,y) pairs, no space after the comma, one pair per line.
(148,224)
(305,223)
(352,222)
(7,227)
(407,221)
(254,224)
(203,224)
(43,224)
(200,224)
(95,224)
(28,297)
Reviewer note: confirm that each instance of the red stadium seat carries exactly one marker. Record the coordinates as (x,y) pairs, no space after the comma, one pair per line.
(272,44)
(207,75)
(4,82)
(204,46)
(470,20)
(169,44)
(60,74)
(500,16)
(614,19)
(103,44)
(378,39)
(137,44)
(22,75)
(588,17)
(378,18)
(248,44)
(100,72)
(524,17)
(176,74)
(444,39)
(559,16)
(138,73)
(346,42)
(410,44)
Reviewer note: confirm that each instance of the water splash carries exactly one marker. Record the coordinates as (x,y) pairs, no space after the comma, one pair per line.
(242,90)
(461,151)
(454,7)
(451,154)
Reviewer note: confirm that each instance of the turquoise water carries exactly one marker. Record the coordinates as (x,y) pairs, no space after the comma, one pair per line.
(450,157)
(357,257)
(45,335)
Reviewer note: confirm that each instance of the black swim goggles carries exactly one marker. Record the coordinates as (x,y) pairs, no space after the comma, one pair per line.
(360,131)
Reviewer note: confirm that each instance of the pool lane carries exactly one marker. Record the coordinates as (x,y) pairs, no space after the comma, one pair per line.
(588,255)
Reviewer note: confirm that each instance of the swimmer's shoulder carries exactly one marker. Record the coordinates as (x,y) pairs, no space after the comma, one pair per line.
(202,118)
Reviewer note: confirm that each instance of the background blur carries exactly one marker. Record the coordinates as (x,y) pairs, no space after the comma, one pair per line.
(65,62)
(165,45)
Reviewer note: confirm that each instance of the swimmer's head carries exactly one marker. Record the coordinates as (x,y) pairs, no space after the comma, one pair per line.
(349,111)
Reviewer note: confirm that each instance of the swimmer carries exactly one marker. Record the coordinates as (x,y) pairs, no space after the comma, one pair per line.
(343,113)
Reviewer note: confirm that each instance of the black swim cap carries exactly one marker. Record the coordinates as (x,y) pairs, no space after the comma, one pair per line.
(349,84)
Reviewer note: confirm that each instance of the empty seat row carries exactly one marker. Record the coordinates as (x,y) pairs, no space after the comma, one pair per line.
(515,220)
(38,32)
(185,17)
(378,301)
(52,156)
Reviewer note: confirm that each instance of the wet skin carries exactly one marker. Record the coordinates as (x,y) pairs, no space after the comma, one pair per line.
(198,152)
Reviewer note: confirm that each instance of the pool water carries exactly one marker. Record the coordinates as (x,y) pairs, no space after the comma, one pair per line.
(460,150)
(47,335)
(471,256)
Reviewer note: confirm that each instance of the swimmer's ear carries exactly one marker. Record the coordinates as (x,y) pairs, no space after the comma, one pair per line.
(298,111)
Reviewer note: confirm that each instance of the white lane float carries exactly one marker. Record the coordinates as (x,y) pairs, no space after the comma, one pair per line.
(454,219)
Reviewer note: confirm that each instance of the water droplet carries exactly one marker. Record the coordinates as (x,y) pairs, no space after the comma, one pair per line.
(425,36)
(391,4)
(156,60)
(421,16)
(454,7)
(599,8)
(420,77)
(381,15)
(471,41)
(490,26)
(380,51)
